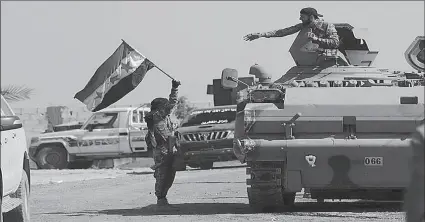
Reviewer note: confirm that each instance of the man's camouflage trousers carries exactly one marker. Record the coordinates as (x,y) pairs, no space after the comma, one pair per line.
(164,175)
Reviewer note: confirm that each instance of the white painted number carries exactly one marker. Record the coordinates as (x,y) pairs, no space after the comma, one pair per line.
(373,161)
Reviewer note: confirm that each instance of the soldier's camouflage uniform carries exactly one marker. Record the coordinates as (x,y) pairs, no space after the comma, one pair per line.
(415,195)
(160,127)
(326,32)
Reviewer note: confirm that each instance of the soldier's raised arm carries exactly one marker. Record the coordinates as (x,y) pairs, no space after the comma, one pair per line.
(329,42)
(275,33)
(173,95)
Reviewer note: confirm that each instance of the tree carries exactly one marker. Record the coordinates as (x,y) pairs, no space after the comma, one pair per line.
(14,93)
(183,108)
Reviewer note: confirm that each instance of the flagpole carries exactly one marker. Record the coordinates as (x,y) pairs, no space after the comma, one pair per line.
(152,62)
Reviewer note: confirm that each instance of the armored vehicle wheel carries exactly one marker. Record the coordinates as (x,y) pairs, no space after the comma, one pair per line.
(266,193)
(52,157)
(22,212)
(206,165)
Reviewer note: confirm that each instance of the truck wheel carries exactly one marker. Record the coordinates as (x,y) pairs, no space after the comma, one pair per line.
(288,199)
(22,212)
(206,165)
(52,157)
(181,167)
(80,164)
(193,165)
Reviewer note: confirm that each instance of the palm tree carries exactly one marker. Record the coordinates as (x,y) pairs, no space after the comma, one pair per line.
(14,93)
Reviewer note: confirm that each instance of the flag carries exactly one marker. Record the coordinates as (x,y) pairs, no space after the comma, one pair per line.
(116,77)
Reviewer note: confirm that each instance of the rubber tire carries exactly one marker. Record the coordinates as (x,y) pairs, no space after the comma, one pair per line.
(193,165)
(206,165)
(80,164)
(22,212)
(289,199)
(181,166)
(42,154)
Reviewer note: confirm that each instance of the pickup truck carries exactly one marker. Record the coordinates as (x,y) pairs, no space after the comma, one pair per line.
(206,136)
(15,169)
(107,134)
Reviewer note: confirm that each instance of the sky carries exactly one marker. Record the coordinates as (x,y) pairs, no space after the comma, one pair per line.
(55,47)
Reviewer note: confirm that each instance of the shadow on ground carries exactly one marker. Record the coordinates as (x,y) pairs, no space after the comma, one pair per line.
(220,167)
(301,209)
(191,169)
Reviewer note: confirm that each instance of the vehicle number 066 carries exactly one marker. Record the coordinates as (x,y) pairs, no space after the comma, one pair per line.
(373,161)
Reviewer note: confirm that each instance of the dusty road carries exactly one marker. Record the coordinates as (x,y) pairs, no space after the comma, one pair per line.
(200,195)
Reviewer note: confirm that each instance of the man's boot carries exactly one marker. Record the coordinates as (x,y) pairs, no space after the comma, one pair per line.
(162,202)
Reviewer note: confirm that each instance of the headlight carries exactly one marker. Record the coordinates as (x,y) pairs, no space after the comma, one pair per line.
(248,145)
(178,135)
(249,119)
(269,95)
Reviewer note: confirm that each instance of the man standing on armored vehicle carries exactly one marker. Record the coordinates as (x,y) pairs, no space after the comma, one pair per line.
(160,138)
(322,33)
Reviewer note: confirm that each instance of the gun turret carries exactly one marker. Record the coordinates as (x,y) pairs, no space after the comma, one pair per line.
(264,78)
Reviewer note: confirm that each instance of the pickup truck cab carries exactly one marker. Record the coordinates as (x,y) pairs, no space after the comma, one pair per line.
(107,134)
(15,170)
(206,136)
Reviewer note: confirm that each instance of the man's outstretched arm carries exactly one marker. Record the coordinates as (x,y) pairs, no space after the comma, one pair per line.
(276,33)
(282,32)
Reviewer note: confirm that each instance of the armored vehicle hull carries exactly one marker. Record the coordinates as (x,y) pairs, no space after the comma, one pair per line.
(338,149)
(333,125)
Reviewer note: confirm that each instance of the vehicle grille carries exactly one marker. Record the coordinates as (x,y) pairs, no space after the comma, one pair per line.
(216,135)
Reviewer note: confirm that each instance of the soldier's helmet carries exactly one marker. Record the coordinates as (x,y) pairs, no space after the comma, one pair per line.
(158,103)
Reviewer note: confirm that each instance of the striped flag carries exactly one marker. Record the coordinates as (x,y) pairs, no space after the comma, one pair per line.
(116,77)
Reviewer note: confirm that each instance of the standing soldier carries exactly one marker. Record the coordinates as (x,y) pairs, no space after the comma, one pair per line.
(415,195)
(160,140)
(322,33)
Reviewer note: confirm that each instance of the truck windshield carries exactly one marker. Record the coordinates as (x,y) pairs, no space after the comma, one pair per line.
(210,116)
(103,121)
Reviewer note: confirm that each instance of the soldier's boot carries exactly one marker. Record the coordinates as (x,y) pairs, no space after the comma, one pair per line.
(163,202)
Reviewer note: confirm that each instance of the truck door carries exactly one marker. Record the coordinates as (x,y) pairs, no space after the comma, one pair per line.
(138,130)
(12,144)
(102,134)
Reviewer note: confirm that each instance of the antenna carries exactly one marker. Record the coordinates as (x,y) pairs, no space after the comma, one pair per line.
(236,80)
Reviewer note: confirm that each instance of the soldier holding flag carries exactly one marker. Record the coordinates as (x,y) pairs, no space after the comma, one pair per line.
(160,139)
(121,73)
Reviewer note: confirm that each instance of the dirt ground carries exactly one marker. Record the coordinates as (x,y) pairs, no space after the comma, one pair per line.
(198,195)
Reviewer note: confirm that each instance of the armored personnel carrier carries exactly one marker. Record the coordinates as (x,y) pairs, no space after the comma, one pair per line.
(333,124)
